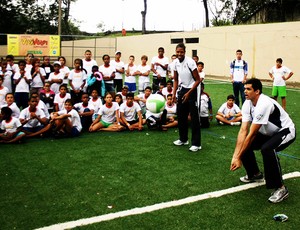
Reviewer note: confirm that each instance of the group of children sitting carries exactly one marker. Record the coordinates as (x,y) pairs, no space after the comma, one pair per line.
(48,107)
(66,119)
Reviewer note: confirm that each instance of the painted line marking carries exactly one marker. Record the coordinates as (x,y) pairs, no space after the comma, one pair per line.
(155,207)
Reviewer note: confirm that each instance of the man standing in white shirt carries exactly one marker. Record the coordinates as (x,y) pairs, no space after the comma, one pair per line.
(265,126)
(120,70)
(238,76)
(159,67)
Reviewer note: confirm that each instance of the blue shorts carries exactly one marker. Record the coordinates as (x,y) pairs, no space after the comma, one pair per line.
(74,132)
(33,129)
(131,87)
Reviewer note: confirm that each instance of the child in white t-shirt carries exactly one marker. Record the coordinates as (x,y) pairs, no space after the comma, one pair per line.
(229,113)
(10,126)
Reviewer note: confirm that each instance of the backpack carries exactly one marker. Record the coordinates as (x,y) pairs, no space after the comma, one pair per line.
(233,63)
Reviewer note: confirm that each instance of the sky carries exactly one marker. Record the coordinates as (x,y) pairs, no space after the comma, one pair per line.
(186,15)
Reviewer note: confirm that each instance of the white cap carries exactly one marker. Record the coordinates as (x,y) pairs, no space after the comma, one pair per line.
(57,63)
(118,52)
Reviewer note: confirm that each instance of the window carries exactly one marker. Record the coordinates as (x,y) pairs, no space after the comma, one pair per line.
(176,40)
(192,40)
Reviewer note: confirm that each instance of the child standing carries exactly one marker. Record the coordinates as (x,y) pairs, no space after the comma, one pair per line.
(22,81)
(200,67)
(56,77)
(143,71)
(7,76)
(94,81)
(77,78)
(3,91)
(130,74)
(278,74)
(64,70)
(108,73)
(38,75)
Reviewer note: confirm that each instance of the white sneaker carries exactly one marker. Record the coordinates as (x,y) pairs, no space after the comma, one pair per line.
(194,148)
(279,195)
(235,123)
(179,142)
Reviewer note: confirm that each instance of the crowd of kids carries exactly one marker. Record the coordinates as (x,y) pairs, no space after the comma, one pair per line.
(37,99)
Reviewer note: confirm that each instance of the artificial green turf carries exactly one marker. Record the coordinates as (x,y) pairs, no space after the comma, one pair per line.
(48,181)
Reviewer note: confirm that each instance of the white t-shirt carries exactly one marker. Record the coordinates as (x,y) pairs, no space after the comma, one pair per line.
(97,104)
(278,73)
(75,118)
(14,108)
(87,65)
(144,69)
(3,93)
(77,78)
(204,112)
(130,113)
(55,86)
(107,71)
(132,69)
(184,70)
(141,103)
(80,107)
(22,86)
(268,113)
(14,68)
(164,61)
(171,110)
(65,70)
(11,126)
(238,71)
(165,92)
(25,115)
(202,75)
(37,80)
(108,114)
(224,109)
(171,67)
(61,100)
(7,80)
(118,65)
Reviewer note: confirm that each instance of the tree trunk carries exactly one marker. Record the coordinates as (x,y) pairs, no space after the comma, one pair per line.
(206,13)
(144,12)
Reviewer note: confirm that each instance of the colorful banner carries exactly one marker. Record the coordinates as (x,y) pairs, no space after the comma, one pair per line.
(39,45)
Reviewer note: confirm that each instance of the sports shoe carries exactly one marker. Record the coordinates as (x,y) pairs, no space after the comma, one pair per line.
(257,178)
(221,123)
(179,142)
(235,123)
(279,195)
(194,148)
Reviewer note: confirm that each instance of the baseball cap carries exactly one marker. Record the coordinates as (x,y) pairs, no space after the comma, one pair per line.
(118,52)
(125,87)
(57,63)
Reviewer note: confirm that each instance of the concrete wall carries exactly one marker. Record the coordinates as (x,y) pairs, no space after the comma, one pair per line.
(261,45)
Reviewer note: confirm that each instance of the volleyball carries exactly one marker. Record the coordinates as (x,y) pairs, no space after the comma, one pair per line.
(155,103)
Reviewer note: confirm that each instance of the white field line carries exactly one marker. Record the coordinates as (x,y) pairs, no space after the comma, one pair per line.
(155,207)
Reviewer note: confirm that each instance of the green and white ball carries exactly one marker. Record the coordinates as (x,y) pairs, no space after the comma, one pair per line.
(155,103)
